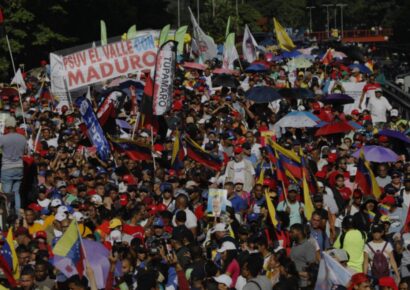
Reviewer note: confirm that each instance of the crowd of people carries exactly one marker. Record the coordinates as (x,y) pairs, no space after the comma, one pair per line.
(153,216)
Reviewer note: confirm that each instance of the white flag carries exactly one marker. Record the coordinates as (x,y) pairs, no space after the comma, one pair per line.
(230,52)
(206,44)
(331,273)
(18,80)
(249,45)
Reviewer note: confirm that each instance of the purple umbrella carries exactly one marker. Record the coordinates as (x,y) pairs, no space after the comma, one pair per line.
(337,99)
(395,134)
(377,154)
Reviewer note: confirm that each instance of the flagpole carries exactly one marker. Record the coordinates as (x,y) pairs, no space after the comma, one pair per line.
(36,140)
(81,240)
(69,94)
(152,150)
(137,119)
(18,87)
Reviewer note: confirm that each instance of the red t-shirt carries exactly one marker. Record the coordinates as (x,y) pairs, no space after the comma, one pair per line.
(346,193)
(135,231)
(371,87)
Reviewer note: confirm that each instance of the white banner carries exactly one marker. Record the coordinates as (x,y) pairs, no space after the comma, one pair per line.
(101,63)
(352,89)
(164,76)
(249,45)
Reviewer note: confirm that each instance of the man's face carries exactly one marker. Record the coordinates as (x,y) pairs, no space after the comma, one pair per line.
(26,281)
(315,221)
(292,195)
(24,258)
(30,217)
(363,286)
(40,272)
(382,171)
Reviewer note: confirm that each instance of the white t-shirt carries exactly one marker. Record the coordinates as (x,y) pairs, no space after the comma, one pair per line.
(406,198)
(378,247)
(239,169)
(378,108)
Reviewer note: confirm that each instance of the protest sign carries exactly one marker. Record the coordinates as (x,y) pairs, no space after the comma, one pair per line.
(217,201)
(352,89)
(97,64)
(3,117)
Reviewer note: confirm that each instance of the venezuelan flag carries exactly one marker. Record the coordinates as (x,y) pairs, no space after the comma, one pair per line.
(197,153)
(365,178)
(271,209)
(306,193)
(280,171)
(133,149)
(15,261)
(69,245)
(384,209)
(178,153)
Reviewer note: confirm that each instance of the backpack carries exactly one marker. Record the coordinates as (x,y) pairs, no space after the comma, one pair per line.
(380,265)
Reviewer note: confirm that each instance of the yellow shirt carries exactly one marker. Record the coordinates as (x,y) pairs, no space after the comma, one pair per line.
(353,244)
(36,227)
(84,230)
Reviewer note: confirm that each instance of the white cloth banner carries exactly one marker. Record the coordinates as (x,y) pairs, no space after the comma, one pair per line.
(18,80)
(352,89)
(331,273)
(97,64)
(249,45)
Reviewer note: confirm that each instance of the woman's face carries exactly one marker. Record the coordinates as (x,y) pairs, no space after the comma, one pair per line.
(377,236)
(126,267)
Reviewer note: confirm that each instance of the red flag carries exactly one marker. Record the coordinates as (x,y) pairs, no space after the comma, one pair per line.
(327,58)
(1,16)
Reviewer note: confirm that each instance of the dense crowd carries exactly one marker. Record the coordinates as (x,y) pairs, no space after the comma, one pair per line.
(153,217)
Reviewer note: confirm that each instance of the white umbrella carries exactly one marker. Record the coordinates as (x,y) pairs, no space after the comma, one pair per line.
(298,120)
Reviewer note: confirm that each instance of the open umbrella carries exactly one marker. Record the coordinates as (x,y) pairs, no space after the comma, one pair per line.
(262,94)
(355,125)
(194,65)
(299,119)
(226,71)
(9,92)
(296,93)
(290,54)
(395,134)
(334,128)
(337,99)
(362,68)
(339,55)
(300,62)
(256,67)
(377,154)
(224,80)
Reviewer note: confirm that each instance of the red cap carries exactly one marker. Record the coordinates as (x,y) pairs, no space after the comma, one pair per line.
(177,105)
(388,282)
(357,193)
(129,179)
(383,139)
(158,147)
(43,62)
(161,207)
(389,200)
(320,174)
(238,150)
(35,206)
(16,99)
(269,182)
(123,199)
(40,235)
(367,118)
(355,112)
(316,107)
(332,157)
(32,100)
(358,279)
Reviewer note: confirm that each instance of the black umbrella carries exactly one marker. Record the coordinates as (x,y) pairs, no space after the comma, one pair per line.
(262,94)
(337,99)
(224,80)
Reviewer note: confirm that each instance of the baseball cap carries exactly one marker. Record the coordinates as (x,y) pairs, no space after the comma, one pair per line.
(253,217)
(220,227)
(388,282)
(378,90)
(339,254)
(238,150)
(293,187)
(78,216)
(62,209)
(223,279)
(355,112)
(226,246)
(165,186)
(389,200)
(317,198)
(40,235)
(115,222)
(377,228)
(96,199)
(60,216)
(56,202)
(123,199)
(344,147)
(158,223)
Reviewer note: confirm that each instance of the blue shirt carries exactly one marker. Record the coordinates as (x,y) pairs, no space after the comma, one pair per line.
(238,203)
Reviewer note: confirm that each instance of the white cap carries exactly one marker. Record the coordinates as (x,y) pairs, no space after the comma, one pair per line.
(406,239)
(10,122)
(62,209)
(96,199)
(61,183)
(301,108)
(220,227)
(394,113)
(224,279)
(60,216)
(79,217)
(226,246)
(115,236)
(56,202)
(144,135)
(320,184)
(190,184)
(44,203)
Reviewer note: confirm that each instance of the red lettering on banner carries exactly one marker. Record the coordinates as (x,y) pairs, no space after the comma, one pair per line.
(106,69)
(117,65)
(80,59)
(113,53)
(75,78)
(92,74)
(130,47)
(106,51)
(135,62)
(92,54)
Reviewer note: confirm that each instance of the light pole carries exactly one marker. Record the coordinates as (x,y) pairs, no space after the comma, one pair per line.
(179,13)
(310,17)
(197,11)
(335,10)
(328,19)
(342,5)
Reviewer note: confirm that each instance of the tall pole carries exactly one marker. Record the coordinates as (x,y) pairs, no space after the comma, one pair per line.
(310,17)
(213,8)
(197,11)
(179,13)
(237,15)
(335,10)
(328,19)
(341,17)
